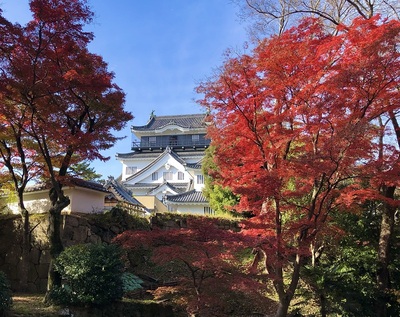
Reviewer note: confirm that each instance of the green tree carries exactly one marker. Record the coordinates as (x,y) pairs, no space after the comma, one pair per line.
(84,171)
(344,277)
(221,199)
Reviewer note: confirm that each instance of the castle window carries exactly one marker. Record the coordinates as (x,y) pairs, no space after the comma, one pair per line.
(130,170)
(181,176)
(195,138)
(200,179)
(154,176)
(208,211)
(152,141)
(168,176)
(173,140)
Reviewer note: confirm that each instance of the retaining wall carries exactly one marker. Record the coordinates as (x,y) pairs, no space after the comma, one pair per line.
(76,229)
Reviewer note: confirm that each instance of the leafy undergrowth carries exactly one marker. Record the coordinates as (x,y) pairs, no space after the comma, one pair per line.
(32,305)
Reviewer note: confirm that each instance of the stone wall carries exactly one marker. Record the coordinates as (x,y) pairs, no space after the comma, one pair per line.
(76,229)
(168,221)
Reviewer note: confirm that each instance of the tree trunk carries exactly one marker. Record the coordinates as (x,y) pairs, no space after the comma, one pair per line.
(283,308)
(285,297)
(386,231)
(24,264)
(56,246)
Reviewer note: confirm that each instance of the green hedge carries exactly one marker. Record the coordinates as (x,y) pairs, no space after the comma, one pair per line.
(92,275)
(5,294)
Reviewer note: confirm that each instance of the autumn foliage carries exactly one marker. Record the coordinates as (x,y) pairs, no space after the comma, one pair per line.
(58,101)
(302,126)
(208,274)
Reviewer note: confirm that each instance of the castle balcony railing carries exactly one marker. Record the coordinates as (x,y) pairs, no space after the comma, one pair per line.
(140,145)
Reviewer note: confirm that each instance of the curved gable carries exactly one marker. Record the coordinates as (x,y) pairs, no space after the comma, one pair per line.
(164,161)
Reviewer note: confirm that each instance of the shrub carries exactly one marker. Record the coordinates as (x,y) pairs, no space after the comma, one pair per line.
(5,294)
(92,275)
(120,217)
(131,282)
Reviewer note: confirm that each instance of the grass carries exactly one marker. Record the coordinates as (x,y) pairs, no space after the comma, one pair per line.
(31,305)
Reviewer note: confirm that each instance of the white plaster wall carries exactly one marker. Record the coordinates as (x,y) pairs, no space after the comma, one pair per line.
(36,202)
(190,209)
(85,200)
(197,186)
(82,200)
(140,164)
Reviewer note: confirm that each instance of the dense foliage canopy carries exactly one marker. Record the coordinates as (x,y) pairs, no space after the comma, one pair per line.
(303,126)
(58,102)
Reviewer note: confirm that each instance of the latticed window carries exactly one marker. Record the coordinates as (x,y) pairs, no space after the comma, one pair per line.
(168,176)
(200,179)
(152,141)
(208,211)
(181,176)
(154,176)
(130,170)
(195,138)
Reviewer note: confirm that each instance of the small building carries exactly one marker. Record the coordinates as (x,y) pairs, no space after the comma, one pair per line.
(163,169)
(85,197)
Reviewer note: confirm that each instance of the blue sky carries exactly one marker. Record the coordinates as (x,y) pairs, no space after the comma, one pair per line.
(158,49)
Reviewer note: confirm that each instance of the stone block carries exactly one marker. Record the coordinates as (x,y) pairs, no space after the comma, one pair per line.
(68,243)
(32,288)
(42,270)
(80,234)
(41,285)
(71,221)
(34,256)
(32,274)
(116,229)
(12,256)
(94,239)
(83,222)
(40,235)
(68,233)
(45,257)
(11,271)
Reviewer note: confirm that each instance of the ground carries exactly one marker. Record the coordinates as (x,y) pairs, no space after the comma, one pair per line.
(32,305)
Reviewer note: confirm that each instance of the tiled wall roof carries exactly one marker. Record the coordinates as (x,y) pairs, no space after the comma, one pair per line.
(184,121)
(192,196)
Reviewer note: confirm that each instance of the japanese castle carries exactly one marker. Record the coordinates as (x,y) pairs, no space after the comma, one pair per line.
(163,170)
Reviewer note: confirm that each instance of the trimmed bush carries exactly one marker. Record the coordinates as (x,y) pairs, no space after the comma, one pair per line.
(92,275)
(131,282)
(5,294)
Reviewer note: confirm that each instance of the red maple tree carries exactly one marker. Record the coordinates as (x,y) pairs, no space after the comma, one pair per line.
(203,263)
(71,103)
(295,133)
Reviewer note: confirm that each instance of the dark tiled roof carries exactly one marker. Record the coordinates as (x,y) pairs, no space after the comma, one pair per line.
(184,121)
(192,196)
(195,166)
(71,182)
(121,192)
(151,186)
(128,155)
(179,188)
